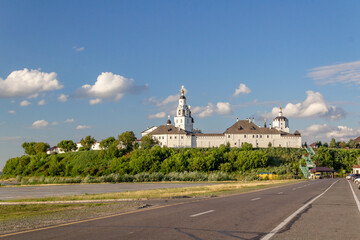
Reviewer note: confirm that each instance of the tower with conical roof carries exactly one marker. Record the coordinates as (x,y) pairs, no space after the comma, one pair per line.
(183,117)
(281,123)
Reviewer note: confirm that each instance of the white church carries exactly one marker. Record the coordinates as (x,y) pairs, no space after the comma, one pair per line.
(182,133)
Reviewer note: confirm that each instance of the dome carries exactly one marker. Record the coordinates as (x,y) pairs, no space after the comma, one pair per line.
(279,118)
(182,97)
(168,122)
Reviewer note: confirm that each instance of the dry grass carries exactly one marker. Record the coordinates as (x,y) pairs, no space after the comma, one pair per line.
(209,190)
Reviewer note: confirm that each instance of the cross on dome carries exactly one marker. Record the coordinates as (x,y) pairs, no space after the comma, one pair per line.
(182,90)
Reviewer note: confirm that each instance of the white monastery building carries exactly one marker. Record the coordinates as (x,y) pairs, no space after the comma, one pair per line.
(182,133)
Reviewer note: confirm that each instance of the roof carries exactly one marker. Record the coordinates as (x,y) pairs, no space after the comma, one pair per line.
(182,97)
(209,134)
(356,166)
(280,118)
(357,139)
(321,169)
(168,129)
(246,127)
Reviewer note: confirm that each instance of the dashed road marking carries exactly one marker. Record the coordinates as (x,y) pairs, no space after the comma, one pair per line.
(255,199)
(202,213)
(280,192)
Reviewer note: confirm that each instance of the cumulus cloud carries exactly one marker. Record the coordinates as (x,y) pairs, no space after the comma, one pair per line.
(313,106)
(109,86)
(41,102)
(95,101)
(25,103)
(242,89)
(157,115)
(54,123)
(346,73)
(40,124)
(63,98)
(211,109)
(69,120)
(325,131)
(82,127)
(28,83)
(12,111)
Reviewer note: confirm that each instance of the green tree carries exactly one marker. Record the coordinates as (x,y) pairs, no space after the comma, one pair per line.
(67,145)
(351,143)
(148,141)
(33,148)
(87,142)
(127,138)
(326,145)
(333,143)
(106,143)
(342,144)
(246,146)
(318,144)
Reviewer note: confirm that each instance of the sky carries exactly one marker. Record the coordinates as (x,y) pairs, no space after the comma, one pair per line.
(69,69)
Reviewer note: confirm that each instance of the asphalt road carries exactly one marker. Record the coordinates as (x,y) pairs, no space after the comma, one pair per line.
(9,193)
(332,215)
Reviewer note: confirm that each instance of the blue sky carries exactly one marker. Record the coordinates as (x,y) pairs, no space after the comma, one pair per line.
(69,69)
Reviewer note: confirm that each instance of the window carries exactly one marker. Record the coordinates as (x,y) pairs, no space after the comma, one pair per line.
(253,136)
(267,136)
(175,137)
(260,136)
(182,137)
(170,137)
(244,136)
(228,136)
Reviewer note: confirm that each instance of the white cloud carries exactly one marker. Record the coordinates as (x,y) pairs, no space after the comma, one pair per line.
(82,127)
(28,83)
(12,111)
(40,124)
(109,86)
(157,115)
(54,123)
(95,101)
(63,98)
(169,99)
(25,103)
(242,89)
(326,132)
(210,109)
(346,73)
(313,106)
(78,49)
(41,102)
(69,120)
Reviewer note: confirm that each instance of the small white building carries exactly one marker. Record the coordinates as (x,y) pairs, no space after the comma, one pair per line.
(182,133)
(356,169)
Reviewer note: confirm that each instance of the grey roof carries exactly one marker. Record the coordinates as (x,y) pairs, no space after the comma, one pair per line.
(246,127)
(168,129)
(182,97)
(280,118)
(209,134)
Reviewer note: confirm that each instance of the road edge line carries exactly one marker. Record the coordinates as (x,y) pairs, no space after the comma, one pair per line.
(355,197)
(292,216)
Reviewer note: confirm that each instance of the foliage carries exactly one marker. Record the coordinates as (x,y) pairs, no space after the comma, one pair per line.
(127,139)
(33,148)
(106,143)
(332,143)
(148,142)
(67,145)
(87,142)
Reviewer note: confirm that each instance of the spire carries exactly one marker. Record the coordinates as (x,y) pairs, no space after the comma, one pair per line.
(280,111)
(182,90)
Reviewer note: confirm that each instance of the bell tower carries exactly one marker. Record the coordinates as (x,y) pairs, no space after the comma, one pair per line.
(183,117)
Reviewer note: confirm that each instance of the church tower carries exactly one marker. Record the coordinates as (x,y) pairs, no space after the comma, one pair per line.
(281,123)
(183,117)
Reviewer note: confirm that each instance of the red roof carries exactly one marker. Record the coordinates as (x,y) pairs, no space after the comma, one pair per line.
(356,166)
(357,139)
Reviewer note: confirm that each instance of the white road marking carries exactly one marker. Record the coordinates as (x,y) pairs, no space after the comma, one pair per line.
(280,192)
(294,189)
(254,199)
(356,199)
(198,214)
(292,216)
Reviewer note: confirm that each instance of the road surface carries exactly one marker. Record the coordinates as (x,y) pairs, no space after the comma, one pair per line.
(320,209)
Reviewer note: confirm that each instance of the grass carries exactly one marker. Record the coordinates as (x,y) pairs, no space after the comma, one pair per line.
(209,190)
(22,211)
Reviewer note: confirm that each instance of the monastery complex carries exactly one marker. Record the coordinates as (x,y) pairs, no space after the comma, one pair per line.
(182,133)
